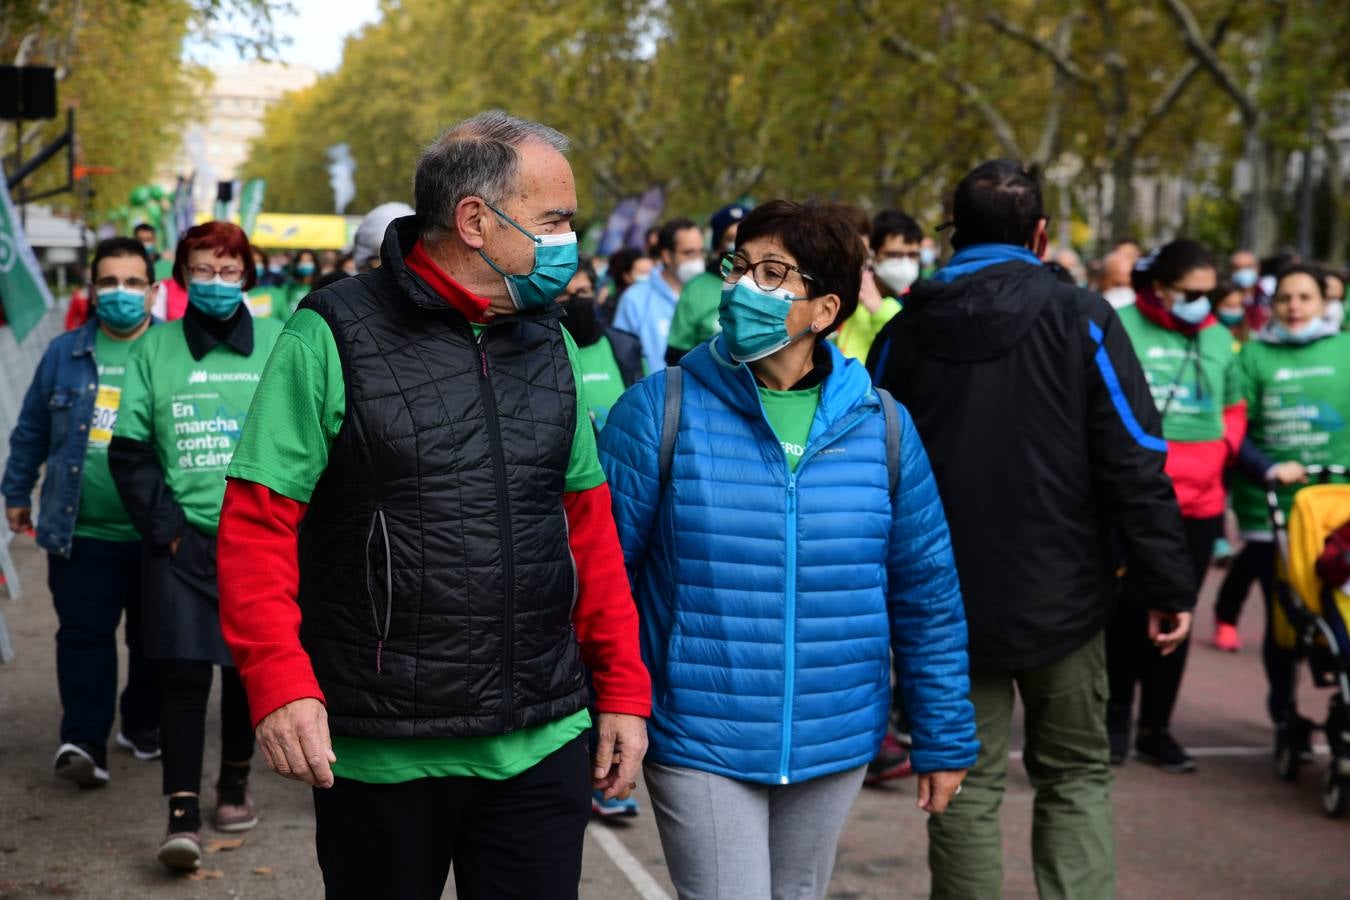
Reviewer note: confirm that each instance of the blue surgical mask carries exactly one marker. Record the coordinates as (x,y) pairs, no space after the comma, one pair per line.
(121,310)
(304,270)
(1314,329)
(555,262)
(754,321)
(1245,278)
(217,298)
(1231,318)
(927,256)
(1192,312)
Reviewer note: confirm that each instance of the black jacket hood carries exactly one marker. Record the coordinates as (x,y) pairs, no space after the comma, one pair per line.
(979,316)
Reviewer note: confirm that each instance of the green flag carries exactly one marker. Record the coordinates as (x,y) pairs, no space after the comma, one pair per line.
(250,203)
(22,289)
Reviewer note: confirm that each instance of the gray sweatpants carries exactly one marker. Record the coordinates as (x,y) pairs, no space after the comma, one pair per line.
(736,840)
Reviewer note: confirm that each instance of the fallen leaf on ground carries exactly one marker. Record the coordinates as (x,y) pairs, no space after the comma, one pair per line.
(262,870)
(203,874)
(219,845)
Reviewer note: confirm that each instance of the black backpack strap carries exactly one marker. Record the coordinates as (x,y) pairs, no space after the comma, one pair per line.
(670,422)
(888,409)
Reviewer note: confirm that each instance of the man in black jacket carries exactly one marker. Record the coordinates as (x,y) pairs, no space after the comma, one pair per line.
(1045,443)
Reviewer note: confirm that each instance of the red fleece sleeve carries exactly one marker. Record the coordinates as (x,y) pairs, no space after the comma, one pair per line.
(1234,428)
(259,579)
(605,617)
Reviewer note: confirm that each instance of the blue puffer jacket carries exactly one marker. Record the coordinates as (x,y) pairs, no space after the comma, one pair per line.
(770,600)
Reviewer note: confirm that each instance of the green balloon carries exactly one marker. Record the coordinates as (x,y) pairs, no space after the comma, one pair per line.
(140,194)
(156,192)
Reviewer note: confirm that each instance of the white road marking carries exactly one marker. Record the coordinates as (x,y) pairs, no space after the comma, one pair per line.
(646,886)
(1222,752)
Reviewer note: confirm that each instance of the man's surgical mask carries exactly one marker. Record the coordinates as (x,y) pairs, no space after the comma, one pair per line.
(1245,278)
(688,270)
(898,274)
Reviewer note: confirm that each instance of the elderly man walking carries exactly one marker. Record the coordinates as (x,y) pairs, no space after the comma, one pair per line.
(418,562)
(1046,449)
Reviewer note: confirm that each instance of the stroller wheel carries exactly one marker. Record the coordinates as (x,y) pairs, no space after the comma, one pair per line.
(1287,761)
(1335,793)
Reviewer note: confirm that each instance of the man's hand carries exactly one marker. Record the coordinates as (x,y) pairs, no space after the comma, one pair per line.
(1168,629)
(174,545)
(20,518)
(294,741)
(936,789)
(618,754)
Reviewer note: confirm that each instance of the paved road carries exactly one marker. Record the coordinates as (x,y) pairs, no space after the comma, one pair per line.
(1229,831)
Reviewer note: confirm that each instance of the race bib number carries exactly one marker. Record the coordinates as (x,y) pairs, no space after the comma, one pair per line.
(260,305)
(105,415)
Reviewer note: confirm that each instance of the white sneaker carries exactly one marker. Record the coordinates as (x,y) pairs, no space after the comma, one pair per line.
(75,763)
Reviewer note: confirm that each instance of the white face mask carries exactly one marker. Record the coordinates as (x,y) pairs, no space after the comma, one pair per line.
(1335,314)
(898,274)
(688,270)
(1119,297)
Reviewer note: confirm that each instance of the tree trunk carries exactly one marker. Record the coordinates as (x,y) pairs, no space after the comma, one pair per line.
(1122,195)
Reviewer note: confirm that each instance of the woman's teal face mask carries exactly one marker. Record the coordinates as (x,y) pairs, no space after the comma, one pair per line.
(216,298)
(555,262)
(754,321)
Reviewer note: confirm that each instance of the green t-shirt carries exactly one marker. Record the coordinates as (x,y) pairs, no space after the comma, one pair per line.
(295,292)
(192,411)
(295,417)
(791,413)
(102,514)
(604,382)
(855,336)
(1192,379)
(163,269)
(1298,409)
(269,303)
(695,318)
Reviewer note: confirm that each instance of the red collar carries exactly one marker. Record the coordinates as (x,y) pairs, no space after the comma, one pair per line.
(448,289)
(1152,308)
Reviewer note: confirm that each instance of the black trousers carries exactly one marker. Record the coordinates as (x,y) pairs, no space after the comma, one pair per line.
(1132,659)
(1258,559)
(187,687)
(521,837)
(90,590)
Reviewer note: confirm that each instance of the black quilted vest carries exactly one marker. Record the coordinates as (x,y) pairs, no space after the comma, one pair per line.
(436,581)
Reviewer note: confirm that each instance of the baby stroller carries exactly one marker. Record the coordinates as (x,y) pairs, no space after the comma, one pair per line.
(1310,619)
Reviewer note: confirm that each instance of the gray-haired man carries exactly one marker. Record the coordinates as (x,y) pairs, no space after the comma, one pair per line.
(458,561)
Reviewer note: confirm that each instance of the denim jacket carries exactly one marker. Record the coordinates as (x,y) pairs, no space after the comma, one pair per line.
(53,430)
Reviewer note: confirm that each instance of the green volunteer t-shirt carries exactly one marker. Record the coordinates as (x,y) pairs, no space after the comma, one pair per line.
(192,411)
(600,373)
(102,514)
(295,417)
(1298,409)
(163,269)
(695,318)
(295,292)
(1193,380)
(790,413)
(269,303)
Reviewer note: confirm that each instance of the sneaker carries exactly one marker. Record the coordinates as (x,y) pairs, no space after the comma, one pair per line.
(1298,735)
(1162,750)
(892,761)
(615,807)
(1226,637)
(181,851)
(1223,552)
(143,744)
(82,764)
(234,808)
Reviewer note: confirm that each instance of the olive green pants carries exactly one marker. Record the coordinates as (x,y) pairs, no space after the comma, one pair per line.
(1068,762)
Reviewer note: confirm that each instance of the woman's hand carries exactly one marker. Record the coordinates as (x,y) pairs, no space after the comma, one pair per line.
(869,295)
(1288,473)
(936,789)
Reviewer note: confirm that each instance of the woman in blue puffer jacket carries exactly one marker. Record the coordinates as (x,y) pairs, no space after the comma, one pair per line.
(784,536)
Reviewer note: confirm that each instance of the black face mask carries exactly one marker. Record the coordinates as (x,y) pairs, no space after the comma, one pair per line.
(581,321)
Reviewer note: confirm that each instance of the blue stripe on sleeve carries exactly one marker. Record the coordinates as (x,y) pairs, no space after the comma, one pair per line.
(1127,418)
(884,355)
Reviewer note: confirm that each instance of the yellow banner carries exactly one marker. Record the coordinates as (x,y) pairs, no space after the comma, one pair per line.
(290,231)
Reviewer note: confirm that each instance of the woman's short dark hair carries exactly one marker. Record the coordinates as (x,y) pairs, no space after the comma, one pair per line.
(823,241)
(121,246)
(1316,273)
(1171,263)
(621,264)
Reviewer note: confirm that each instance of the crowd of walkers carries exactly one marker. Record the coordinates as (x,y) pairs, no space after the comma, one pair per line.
(477,531)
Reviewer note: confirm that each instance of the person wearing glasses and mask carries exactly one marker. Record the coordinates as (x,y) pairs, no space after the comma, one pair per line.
(1190,361)
(418,651)
(94,555)
(784,536)
(186,396)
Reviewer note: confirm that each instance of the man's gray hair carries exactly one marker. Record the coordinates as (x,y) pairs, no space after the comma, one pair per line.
(478,157)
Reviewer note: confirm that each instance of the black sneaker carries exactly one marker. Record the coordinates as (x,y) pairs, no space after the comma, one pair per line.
(1162,750)
(1297,734)
(83,764)
(143,744)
